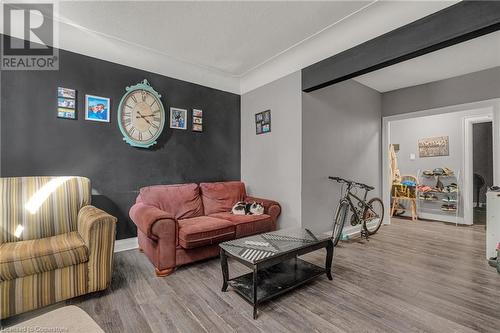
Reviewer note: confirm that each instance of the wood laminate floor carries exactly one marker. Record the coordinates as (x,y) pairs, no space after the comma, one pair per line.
(410,277)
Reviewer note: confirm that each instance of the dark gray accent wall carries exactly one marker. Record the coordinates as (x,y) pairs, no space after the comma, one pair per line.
(455,24)
(35,142)
(468,88)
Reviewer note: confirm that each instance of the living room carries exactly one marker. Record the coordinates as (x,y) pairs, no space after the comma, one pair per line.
(167,176)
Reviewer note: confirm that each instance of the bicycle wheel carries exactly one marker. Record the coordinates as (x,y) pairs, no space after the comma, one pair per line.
(373,215)
(338,223)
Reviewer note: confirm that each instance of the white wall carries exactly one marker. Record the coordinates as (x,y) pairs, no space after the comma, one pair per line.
(407,132)
(271,163)
(341,136)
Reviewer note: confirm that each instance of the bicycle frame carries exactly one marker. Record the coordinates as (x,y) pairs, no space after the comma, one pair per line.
(360,202)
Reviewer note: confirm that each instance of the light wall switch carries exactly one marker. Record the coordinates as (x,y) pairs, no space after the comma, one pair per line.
(412,157)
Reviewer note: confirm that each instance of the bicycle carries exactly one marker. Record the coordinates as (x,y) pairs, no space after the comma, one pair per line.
(372,211)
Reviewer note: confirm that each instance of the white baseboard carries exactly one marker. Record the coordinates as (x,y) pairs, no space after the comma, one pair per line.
(126,244)
(443,218)
(348,232)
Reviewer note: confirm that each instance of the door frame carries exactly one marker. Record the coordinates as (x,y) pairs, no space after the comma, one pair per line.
(468,153)
(489,107)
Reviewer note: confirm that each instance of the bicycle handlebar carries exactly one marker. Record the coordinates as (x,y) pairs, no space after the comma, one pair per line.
(351,182)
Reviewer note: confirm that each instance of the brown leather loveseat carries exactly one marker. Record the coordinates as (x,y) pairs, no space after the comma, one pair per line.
(180,224)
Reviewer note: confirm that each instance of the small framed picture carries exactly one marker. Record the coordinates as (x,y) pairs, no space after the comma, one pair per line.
(97,108)
(197,128)
(178,118)
(263,122)
(259,128)
(197,113)
(66,113)
(197,120)
(65,103)
(267,116)
(66,92)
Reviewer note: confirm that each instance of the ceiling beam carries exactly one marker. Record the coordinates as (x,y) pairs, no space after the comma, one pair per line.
(458,23)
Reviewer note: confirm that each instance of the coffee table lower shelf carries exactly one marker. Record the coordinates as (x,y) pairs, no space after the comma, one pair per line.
(275,280)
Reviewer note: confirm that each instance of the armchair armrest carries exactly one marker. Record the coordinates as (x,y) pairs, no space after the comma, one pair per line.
(145,217)
(271,207)
(98,230)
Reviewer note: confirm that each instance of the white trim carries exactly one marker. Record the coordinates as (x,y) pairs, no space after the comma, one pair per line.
(493,105)
(386,173)
(442,218)
(126,244)
(349,232)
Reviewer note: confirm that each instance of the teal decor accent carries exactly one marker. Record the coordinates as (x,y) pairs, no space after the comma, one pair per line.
(141,116)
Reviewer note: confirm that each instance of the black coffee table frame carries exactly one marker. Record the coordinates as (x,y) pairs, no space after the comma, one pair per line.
(291,270)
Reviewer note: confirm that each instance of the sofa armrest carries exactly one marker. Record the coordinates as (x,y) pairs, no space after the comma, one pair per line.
(271,207)
(146,217)
(98,230)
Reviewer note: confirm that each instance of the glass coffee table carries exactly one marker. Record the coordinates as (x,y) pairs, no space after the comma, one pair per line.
(273,258)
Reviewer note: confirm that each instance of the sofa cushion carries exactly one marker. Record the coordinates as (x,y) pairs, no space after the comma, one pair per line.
(204,230)
(18,259)
(247,225)
(221,197)
(182,201)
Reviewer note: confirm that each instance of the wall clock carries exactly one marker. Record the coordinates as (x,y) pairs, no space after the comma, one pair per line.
(141,115)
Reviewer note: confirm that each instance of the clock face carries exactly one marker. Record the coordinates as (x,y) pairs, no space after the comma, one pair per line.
(141,117)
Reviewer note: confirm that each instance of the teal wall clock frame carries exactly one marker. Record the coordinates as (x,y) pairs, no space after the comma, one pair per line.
(144,85)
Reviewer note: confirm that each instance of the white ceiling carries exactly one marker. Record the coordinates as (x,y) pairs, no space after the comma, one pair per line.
(234,46)
(231,37)
(467,57)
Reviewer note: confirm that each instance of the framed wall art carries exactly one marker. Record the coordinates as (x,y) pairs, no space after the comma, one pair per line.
(197,120)
(436,146)
(263,122)
(178,118)
(97,108)
(66,103)
(66,92)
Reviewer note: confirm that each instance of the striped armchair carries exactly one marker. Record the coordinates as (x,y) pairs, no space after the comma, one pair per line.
(53,244)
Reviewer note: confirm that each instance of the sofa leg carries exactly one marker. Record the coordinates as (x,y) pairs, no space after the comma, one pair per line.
(164,272)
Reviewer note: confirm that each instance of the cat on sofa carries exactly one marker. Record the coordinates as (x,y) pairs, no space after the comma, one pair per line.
(247,208)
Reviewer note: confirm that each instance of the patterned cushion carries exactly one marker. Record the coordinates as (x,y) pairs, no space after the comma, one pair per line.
(39,207)
(19,259)
(37,290)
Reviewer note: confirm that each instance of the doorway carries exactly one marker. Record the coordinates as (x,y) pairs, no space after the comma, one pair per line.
(461,148)
(482,168)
